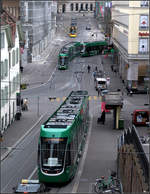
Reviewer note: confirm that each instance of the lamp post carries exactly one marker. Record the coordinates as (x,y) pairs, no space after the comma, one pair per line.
(79,75)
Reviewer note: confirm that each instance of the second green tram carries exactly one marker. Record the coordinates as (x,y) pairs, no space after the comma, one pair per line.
(93,48)
(67,54)
(62,138)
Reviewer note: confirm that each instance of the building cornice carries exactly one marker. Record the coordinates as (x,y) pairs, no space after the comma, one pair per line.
(127,56)
(121,24)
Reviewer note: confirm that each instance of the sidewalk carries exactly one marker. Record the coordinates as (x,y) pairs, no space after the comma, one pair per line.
(39,71)
(34,74)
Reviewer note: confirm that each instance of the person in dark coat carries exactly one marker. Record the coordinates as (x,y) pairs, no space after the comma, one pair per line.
(98,91)
(103,117)
(89,68)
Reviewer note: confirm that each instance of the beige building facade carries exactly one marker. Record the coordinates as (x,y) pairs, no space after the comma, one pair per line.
(131,39)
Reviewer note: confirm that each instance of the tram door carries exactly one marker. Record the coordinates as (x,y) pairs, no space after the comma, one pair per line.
(64,8)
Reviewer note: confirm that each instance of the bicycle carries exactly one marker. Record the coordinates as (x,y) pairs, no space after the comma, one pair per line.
(112,190)
(111,185)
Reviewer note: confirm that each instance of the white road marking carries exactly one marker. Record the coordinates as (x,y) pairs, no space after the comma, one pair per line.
(33,172)
(75,187)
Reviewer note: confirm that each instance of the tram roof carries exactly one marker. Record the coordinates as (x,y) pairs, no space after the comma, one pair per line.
(114,98)
(102,42)
(67,46)
(66,113)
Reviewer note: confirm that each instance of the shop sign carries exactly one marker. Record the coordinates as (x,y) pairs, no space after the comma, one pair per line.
(144,21)
(146,78)
(143,33)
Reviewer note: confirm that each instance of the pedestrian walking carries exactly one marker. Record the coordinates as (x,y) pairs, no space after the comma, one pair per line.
(98,91)
(112,67)
(25,104)
(103,117)
(89,68)
(96,69)
(94,75)
(1,136)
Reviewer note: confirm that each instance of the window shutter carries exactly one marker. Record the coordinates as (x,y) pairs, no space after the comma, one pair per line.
(2,70)
(13,58)
(6,67)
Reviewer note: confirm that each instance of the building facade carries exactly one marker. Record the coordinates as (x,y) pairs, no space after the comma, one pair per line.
(39,21)
(12,7)
(76,6)
(10,69)
(130,37)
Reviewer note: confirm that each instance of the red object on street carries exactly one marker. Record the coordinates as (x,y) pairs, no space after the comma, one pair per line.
(105,56)
(140,117)
(103,107)
(21,50)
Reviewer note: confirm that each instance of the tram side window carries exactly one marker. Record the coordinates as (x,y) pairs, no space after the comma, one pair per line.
(79,135)
(69,53)
(72,154)
(74,50)
(68,156)
(76,142)
(38,158)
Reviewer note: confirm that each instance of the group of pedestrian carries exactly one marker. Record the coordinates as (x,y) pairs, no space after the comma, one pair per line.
(89,69)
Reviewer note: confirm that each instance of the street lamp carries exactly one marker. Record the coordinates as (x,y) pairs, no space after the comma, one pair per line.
(79,75)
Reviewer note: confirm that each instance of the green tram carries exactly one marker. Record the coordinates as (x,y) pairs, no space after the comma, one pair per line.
(62,138)
(93,48)
(67,53)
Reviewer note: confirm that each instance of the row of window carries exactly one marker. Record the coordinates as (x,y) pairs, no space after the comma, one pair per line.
(2,35)
(12,10)
(144,3)
(73,147)
(4,64)
(15,84)
(75,7)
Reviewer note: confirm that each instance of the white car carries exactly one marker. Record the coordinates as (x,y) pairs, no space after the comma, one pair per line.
(101,83)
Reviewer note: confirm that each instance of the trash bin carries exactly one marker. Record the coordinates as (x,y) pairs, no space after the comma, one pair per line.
(121,124)
(18,115)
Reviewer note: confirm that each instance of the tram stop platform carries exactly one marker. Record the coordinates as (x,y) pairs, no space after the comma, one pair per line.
(114,101)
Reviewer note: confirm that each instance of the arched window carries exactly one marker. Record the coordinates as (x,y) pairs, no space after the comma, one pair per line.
(64,8)
(81,8)
(91,7)
(77,6)
(86,6)
(71,6)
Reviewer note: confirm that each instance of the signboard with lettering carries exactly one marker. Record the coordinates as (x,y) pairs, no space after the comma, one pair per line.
(143,45)
(144,21)
(143,33)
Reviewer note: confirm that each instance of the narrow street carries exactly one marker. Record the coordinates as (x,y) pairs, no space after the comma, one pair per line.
(45,80)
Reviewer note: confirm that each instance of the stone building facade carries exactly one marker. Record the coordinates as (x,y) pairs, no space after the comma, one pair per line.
(130,37)
(39,21)
(10,69)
